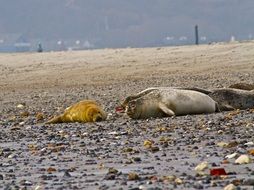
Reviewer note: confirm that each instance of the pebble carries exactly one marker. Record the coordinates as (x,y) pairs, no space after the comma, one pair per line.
(136,159)
(148,143)
(237,182)
(217,172)
(24,114)
(112,171)
(178,181)
(243,159)
(251,152)
(38,187)
(207,180)
(249,182)
(133,176)
(20,106)
(6,164)
(22,123)
(12,156)
(230,187)
(110,176)
(67,174)
(198,186)
(40,116)
(231,155)
(201,167)
(51,170)
(222,144)
(142,187)
(155,149)
(249,143)
(26,183)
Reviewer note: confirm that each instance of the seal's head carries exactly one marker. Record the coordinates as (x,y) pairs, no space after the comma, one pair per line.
(95,114)
(133,109)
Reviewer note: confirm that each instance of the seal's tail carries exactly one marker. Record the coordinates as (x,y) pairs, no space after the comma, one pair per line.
(57,119)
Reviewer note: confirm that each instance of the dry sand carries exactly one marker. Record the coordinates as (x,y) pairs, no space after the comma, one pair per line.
(46,83)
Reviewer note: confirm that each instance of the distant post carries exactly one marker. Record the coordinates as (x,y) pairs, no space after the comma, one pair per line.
(39,49)
(196,34)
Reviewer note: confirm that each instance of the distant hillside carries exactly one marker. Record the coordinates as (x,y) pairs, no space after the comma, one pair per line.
(121,23)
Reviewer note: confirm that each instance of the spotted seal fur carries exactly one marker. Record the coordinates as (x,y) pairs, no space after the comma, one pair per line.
(164,101)
(242,86)
(230,98)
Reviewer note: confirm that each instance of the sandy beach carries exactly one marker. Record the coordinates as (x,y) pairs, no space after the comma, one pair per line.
(36,86)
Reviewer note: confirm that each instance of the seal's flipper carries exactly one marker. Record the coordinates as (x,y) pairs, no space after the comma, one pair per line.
(56,119)
(166,110)
(217,107)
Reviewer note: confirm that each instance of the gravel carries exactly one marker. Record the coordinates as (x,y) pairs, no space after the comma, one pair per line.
(112,154)
(78,156)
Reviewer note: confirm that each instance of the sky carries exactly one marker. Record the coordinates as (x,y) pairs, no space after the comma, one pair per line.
(125,23)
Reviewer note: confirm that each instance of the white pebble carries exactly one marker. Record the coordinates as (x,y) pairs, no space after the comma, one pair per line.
(113,133)
(231,155)
(20,106)
(38,187)
(22,123)
(201,167)
(249,143)
(142,187)
(230,187)
(28,127)
(243,159)
(249,125)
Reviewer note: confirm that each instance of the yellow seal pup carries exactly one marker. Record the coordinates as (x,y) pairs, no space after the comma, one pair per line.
(83,111)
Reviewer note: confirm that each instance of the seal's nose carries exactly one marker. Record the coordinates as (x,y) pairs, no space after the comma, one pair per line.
(98,118)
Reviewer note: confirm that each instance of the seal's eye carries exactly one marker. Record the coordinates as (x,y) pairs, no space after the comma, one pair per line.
(132,105)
